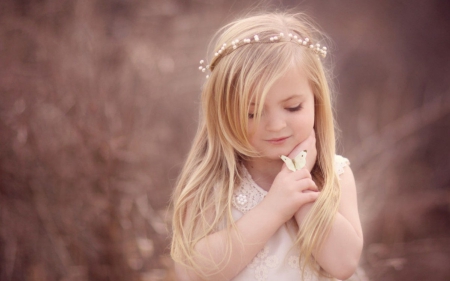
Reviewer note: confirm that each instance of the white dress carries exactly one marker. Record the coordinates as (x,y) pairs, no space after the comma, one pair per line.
(278,260)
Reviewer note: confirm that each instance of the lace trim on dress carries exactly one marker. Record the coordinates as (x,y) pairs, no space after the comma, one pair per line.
(248,195)
(340,163)
(262,263)
(294,262)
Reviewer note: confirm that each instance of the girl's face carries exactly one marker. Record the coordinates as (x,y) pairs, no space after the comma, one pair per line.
(287,117)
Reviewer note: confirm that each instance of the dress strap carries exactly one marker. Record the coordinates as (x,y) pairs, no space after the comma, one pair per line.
(340,164)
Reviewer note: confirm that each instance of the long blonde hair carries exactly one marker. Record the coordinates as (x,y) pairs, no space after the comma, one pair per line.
(202,197)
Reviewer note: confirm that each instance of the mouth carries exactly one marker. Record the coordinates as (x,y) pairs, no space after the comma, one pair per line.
(277,140)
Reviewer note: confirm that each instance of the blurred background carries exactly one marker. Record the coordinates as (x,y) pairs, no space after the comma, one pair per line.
(99,103)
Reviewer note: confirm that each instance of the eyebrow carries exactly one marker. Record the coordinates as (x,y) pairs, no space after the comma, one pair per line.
(286,99)
(292,97)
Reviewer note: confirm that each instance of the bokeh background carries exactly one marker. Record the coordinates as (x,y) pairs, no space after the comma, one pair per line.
(99,103)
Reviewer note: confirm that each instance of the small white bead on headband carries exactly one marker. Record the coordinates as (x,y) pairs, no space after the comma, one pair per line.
(320,51)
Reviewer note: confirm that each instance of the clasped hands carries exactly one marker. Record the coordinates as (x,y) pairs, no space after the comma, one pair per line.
(293,192)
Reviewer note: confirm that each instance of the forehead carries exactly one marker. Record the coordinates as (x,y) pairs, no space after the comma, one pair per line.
(293,84)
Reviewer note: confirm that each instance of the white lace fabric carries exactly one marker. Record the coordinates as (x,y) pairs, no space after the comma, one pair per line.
(340,164)
(248,195)
(278,260)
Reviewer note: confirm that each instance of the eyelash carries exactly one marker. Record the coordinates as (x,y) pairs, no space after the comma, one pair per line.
(290,109)
(293,109)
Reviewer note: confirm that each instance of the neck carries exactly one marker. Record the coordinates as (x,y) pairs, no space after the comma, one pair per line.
(263,171)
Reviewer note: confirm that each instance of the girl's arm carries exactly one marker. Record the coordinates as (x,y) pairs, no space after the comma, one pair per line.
(341,250)
(253,229)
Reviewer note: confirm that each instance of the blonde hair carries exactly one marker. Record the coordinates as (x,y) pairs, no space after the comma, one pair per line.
(203,195)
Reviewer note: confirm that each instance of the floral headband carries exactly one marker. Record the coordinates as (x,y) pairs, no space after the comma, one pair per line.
(227,49)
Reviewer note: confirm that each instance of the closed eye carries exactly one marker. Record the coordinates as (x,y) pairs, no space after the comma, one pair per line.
(296,108)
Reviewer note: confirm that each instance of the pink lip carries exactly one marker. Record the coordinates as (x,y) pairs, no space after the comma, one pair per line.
(278,140)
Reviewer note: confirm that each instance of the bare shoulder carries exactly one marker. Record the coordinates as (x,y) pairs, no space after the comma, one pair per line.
(184,274)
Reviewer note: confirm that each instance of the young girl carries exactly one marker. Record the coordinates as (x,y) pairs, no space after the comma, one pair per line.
(239,212)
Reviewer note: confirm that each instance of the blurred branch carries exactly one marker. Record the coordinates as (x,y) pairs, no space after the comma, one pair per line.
(398,130)
(10,255)
(381,257)
(150,215)
(44,214)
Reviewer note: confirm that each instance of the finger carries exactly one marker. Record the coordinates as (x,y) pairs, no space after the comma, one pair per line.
(301,174)
(307,184)
(311,189)
(310,197)
(284,167)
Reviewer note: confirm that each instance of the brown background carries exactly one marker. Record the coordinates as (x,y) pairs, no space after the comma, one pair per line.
(98,106)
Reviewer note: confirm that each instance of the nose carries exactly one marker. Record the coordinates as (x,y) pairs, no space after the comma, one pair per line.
(275,122)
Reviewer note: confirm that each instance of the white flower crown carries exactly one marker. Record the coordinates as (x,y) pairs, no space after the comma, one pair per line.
(226,49)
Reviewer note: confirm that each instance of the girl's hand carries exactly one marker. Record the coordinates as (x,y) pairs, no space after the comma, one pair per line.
(310,145)
(290,191)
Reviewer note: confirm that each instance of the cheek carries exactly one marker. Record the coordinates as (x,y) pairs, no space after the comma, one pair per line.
(311,121)
(305,124)
(252,133)
(311,116)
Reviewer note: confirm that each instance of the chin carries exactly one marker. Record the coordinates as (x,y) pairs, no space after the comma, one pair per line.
(274,157)
(274,154)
